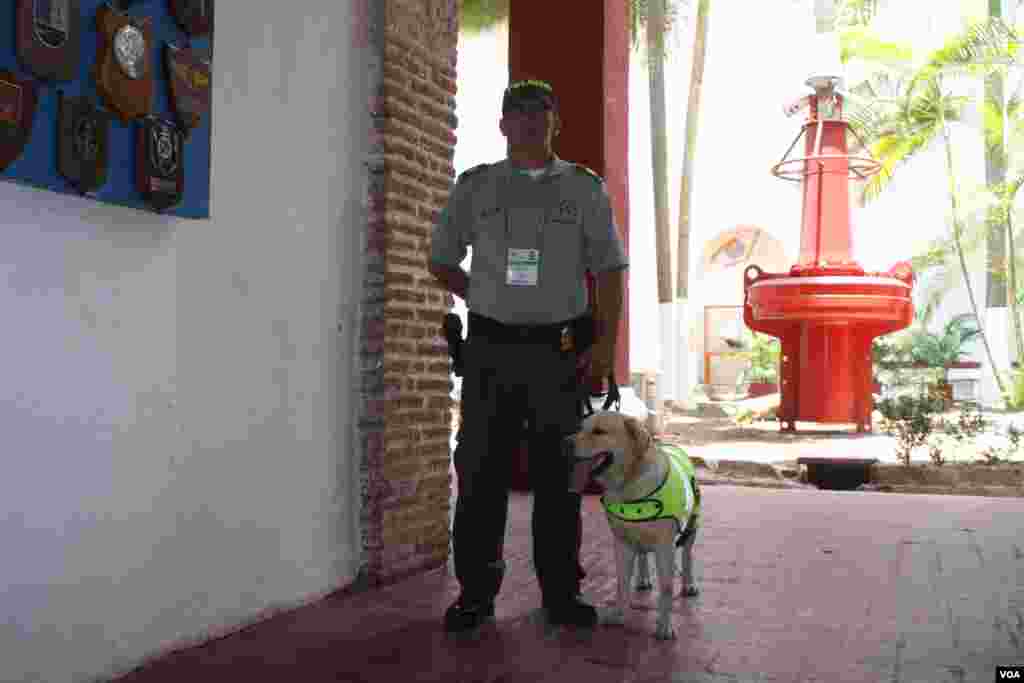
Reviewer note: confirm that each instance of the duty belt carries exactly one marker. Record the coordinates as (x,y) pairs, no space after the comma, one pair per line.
(582,338)
(531,334)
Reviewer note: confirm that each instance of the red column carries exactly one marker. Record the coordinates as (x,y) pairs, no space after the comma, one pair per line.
(825,235)
(585,57)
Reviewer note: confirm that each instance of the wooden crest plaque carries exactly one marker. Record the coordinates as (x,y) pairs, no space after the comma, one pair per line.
(188,73)
(48,38)
(194,16)
(82,143)
(124,66)
(160,162)
(18,100)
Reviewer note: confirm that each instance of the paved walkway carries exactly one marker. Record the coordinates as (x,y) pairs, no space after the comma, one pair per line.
(797,586)
(763,442)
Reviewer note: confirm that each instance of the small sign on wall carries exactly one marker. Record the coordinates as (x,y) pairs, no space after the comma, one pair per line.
(109,99)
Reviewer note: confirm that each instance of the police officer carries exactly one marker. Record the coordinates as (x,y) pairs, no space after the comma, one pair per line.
(536,224)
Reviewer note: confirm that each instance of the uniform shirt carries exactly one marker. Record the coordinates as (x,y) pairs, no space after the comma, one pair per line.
(565,213)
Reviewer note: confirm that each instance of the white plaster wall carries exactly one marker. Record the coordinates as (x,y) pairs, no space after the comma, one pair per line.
(177,395)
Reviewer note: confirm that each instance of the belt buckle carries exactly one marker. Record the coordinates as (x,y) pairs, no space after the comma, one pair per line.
(566,343)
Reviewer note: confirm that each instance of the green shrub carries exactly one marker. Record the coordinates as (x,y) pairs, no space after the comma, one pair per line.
(946,348)
(909,419)
(1015,394)
(764,358)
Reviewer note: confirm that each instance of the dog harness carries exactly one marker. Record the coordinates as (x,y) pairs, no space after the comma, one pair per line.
(672,498)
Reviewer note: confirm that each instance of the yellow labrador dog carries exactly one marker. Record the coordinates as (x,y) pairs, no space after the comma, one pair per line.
(652,502)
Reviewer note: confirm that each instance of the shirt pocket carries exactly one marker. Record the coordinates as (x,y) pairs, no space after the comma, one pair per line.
(488,239)
(563,239)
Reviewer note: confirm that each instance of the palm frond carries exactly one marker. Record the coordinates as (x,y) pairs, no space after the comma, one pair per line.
(863,43)
(640,14)
(975,51)
(993,128)
(477,16)
(856,13)
(987,42)
(893,151)
(1008,189)
(868,123)
(1013,100)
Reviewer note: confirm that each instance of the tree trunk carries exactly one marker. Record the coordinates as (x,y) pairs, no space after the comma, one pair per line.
(682,308)
(1011,284)
(995,174)
(1012,287)
(692,115)
(659,145)
(656,47)
(963,262)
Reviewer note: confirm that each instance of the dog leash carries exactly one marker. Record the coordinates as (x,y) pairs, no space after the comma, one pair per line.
(613,397)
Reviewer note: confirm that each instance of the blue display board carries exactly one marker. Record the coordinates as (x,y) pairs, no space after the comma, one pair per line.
(37,165)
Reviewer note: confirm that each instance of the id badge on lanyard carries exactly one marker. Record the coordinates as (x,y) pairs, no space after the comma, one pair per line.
(523,267)
(523,264)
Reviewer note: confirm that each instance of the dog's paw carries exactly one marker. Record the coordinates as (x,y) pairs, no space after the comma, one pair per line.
(665,631)
(611,616)
(690,591)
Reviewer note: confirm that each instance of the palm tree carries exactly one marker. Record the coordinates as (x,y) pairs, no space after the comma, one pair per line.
(995,174)
(700,42)
(656,18)
(920,118)
(655,31)
(1003,119)
(1007,195)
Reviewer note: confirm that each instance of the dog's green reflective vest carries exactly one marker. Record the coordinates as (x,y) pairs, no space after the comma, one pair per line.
(669,500)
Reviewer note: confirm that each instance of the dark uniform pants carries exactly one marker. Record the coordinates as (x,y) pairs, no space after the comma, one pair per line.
(503,385)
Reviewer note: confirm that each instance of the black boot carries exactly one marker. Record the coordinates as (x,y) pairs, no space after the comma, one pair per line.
(465,615)
(572,612)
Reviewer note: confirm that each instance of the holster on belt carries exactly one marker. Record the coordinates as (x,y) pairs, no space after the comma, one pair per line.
(583,336)
(584,331)
(453,335)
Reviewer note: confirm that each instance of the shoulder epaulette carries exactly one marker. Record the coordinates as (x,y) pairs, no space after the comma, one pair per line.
(472,171)
(586,171)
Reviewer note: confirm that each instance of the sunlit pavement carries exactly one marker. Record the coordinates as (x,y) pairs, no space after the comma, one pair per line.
(764,443)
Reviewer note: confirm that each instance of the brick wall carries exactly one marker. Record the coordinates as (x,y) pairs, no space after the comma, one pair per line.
(405,410)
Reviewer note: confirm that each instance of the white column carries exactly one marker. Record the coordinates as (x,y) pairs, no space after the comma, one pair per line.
(666,388)
(997,323)
(684,357)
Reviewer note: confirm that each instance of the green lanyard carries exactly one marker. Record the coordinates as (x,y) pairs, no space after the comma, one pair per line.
(506,210)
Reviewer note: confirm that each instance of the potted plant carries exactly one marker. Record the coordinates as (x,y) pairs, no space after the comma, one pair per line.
(943,350)
(888,355)
(763,372)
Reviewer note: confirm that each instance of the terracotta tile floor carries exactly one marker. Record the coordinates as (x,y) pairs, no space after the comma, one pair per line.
(820,586)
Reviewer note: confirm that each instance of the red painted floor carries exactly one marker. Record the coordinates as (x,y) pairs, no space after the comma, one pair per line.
(799,586)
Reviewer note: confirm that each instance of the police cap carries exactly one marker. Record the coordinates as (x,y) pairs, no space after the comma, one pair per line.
(528,94)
